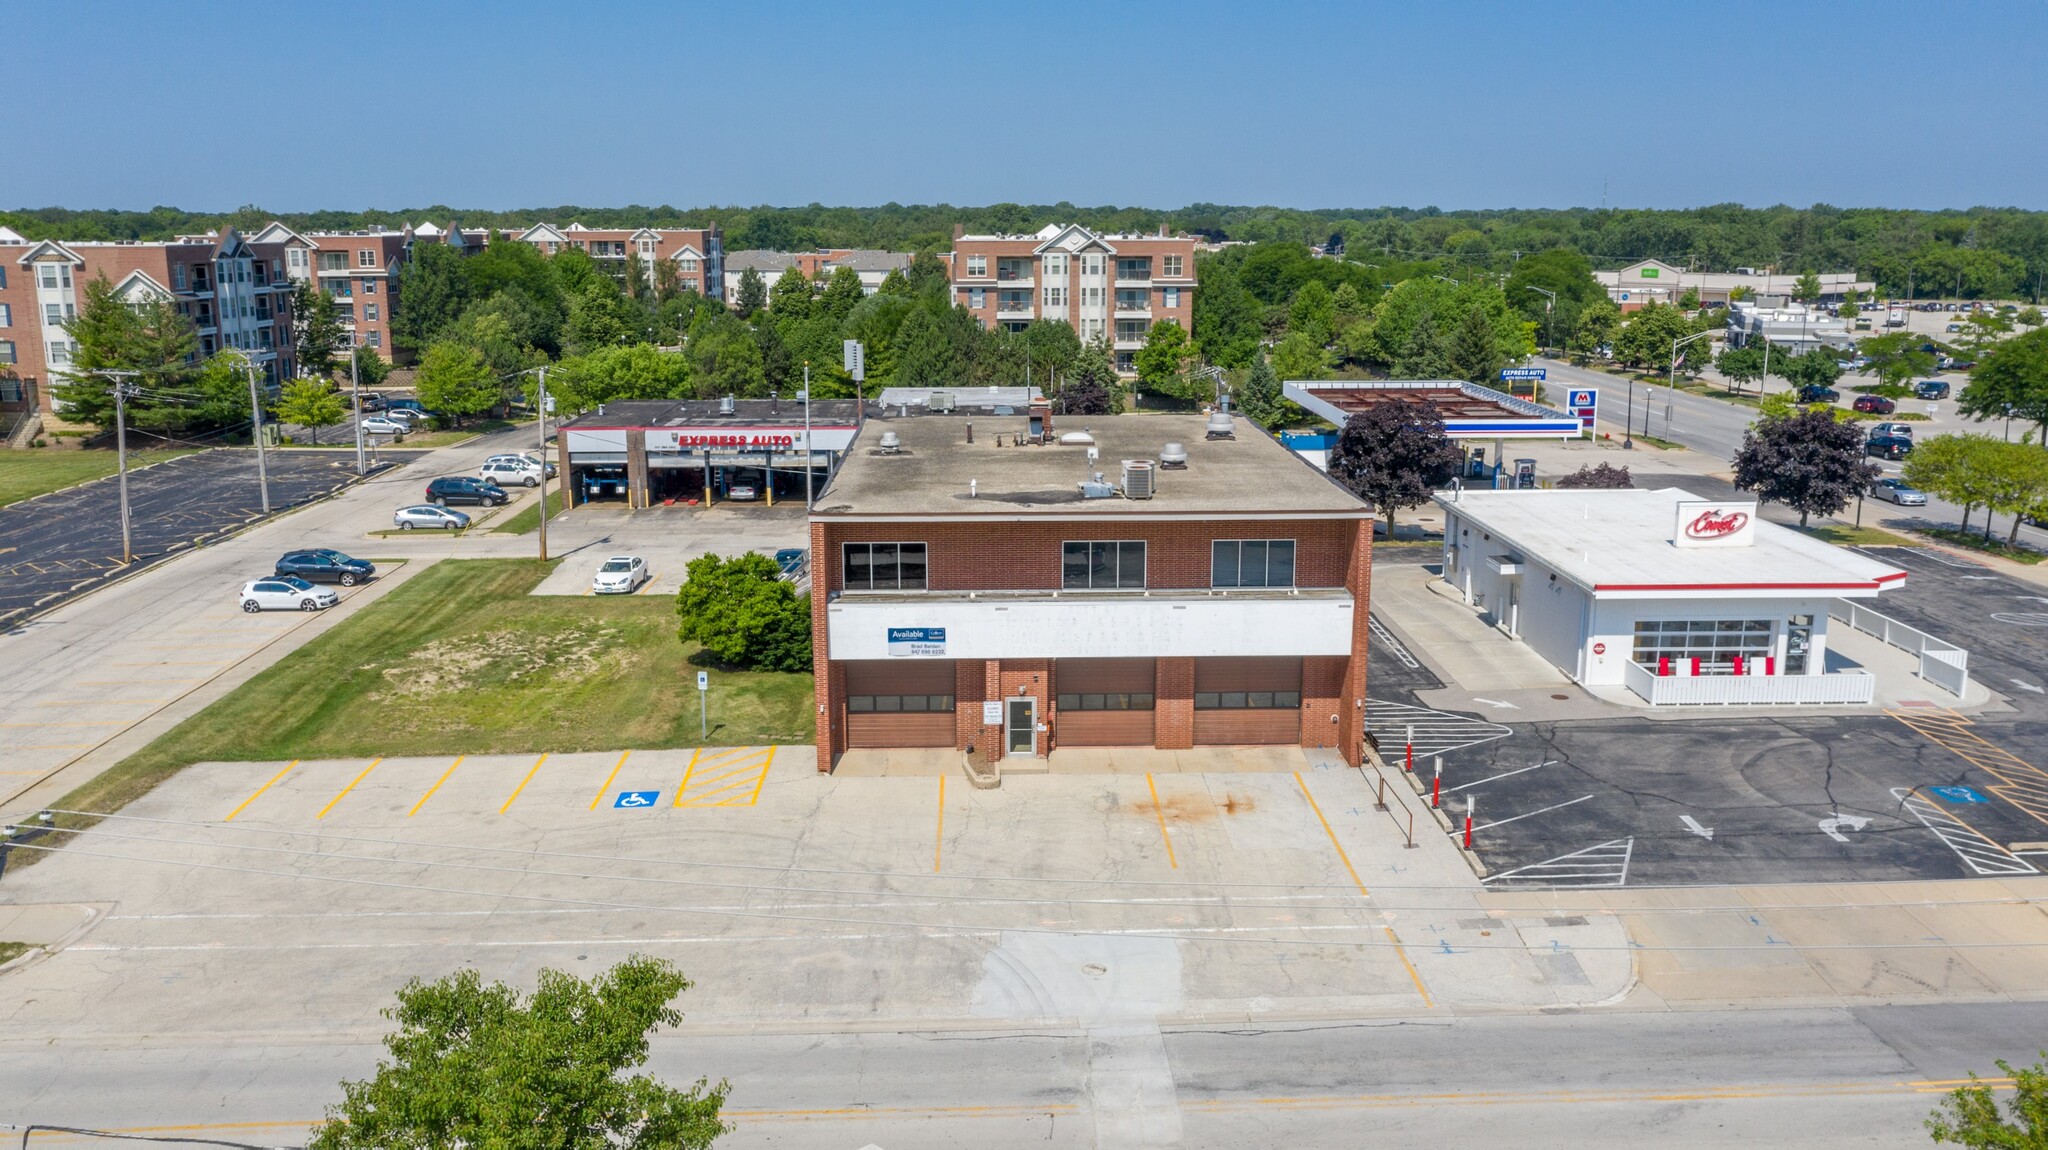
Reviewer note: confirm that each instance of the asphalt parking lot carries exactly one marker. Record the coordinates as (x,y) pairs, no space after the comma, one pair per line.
(56,547)
(1918,793)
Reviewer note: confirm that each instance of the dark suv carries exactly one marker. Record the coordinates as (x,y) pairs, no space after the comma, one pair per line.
(325,565)
(1889,447)
(1931,389)
(1815,393)
(465,489)
(1875,404)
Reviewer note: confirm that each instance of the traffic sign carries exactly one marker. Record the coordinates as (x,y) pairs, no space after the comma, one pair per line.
(703,680)
(634,800)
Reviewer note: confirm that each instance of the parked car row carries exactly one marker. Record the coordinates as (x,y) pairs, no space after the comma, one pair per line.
(290,585)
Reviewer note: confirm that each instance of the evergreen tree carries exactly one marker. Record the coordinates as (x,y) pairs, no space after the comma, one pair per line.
(843,293)
(752,296)
(316,332)
(791,297)
(1260,398)
(432,289)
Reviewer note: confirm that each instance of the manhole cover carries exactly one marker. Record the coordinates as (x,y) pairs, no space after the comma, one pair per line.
(2023,618)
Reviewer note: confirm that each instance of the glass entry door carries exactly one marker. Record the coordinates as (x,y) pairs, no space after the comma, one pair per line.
(1021,724)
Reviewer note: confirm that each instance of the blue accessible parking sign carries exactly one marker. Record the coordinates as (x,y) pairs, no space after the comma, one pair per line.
(1959,794)
(636,799)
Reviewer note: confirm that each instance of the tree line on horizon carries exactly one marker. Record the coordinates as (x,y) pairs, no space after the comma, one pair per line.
(1979,252)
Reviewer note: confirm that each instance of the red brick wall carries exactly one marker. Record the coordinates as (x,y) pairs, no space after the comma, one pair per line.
(1173,705)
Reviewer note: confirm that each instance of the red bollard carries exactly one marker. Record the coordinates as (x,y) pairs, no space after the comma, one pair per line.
(1468,831)
(1436,795)
(1409,765)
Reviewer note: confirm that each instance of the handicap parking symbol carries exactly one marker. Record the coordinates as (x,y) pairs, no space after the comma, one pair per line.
(1959,794)
(636,799)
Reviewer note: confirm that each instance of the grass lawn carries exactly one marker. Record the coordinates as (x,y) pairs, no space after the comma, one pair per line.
(9,951)
(1975,541)
(1850,535)
(39,470)
(462,660)
(528,518)
(461,434)
(1701,387)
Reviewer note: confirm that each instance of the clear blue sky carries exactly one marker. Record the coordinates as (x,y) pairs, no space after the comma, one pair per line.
(513,103)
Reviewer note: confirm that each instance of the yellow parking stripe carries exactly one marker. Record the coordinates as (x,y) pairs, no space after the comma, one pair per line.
(1160,812)
(437,786)
(522,784)
(683,788)
(758,783)
(259,791)
(603,790)
(351,786)
(724,779)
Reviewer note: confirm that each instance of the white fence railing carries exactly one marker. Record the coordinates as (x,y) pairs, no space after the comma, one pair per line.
(1941,663)
(1748,690)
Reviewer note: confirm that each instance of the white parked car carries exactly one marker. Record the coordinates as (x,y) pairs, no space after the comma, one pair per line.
(429,516)
(620,575)
(286,593)
(507,470)
(743,493)
(1898,491)
(379,425)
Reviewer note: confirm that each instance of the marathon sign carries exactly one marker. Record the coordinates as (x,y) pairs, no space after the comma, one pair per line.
(1703,523)
(1583,404)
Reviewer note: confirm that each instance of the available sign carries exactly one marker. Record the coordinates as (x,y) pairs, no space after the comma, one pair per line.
(918,642)
(1700,523)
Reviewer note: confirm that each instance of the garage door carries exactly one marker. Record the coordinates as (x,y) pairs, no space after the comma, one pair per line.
(899,703)
(1103,702)
(1245,701)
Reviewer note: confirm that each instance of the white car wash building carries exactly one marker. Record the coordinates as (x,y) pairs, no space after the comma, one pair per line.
(1680,599)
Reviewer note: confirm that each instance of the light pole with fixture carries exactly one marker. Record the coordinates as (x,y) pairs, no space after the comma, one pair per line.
(1549,304)
(1671,381)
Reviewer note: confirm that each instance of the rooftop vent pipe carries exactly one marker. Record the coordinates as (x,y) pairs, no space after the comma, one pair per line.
(891,443)
(1220,426)
(725,406)
(1173,457)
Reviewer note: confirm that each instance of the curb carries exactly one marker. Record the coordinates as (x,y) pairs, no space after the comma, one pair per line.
(1479,869)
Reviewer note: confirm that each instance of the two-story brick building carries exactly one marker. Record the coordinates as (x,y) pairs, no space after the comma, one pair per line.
(974,585)
(1109,287)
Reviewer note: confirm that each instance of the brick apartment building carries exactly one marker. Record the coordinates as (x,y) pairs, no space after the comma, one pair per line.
(360,270)
(1112,287)
(699,253)
(872,265)
(968,593)
(236,292)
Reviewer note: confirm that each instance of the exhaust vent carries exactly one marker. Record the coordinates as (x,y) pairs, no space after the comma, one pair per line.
(941,401)
(1138,479)
(1221,427)
(1173,457)
(892,444)
(726,406)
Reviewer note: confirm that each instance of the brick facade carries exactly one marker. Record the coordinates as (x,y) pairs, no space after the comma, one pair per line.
(1143,280)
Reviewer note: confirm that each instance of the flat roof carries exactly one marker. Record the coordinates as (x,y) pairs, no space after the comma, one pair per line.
(1468,410)
(1248,475)
(648,414)
(1620,541)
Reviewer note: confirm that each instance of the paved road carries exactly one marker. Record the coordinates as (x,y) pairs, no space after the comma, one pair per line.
(1779,1078)
(1715,428)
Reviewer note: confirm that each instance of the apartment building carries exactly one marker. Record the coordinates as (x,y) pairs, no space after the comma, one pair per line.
(1112,287)
(872,265)
(359,270)
(1208,589)
(699,253)
(236,292)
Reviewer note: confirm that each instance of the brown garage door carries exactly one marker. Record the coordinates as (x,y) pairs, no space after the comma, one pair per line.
(899,703)
(1103,702)
(1243,701)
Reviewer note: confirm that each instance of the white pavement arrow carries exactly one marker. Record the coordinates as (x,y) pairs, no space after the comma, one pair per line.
(2028,687)
(1495,703)
(1853,822)
(2031,598)
(1692,824)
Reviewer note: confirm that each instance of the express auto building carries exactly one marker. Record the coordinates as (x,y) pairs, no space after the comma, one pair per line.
(976,586)
(643,452)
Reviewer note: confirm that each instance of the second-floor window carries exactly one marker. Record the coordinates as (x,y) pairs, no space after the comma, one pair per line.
(977,298)
(333,261)
(884,566)
(1134,269)
(1102,566)
(1055,297)
(369,311)
(1054,265)
(977,265)
(1251,563)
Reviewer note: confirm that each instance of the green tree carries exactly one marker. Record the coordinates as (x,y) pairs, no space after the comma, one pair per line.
(1644,342)
(311,404)
(843,292)
(1970,1116)
(1564,272)
(599,316)
(432,289)
(744,615)
(790,299)
(488,332)
(1897,358)
(150,338)
(1742,366)
(1956,468)
(1299,358)
(1810,462)
(1162,363)
(928,275)
(456,381)
(371,369)
(1596,329)
(2011,380)
(1394,456)
(640,371)
(1807,287)
(1261,398)
(895,283)
(1050,348)
(1226,320)
(2028,317)
(1690,301)
(317,336)
(1474,348)
(725,357)
(752,296)
(1816,368)
(478,1065)
(1313,313)
(1090,385)
(923,354)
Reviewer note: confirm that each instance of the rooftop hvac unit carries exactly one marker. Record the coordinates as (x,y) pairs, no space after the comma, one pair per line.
(891,443)
(1137,479)
(1220,426)
(940,401)
(1173,457)
(1095,488)
(726,406)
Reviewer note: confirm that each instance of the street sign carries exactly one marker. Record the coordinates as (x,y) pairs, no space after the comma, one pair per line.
(634,800)
(703,680)
(856,359)
(1522,373)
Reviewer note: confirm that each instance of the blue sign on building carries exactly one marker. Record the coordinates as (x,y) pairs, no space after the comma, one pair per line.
(632,800)
(1522,373)
(1959,794)
(922,642)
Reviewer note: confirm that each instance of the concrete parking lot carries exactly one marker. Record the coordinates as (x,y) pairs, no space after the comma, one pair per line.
(1916,791)
(62,545)
(668,538)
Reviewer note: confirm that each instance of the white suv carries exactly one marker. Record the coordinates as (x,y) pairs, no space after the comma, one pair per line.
(506,470)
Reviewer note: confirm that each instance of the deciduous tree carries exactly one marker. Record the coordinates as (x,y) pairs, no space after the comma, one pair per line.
(1090,385)
(1227,327)
(1810,462)
(475,1064)
(2012,378)
(311,404)
(744,615)
(1897,358)
(457,381)
(581,382)
(1163,361)
(1601,478)
(1394,455)
(1742,366)
(1970,1116)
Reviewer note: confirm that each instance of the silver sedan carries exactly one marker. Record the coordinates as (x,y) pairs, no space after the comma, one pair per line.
(1897,491)
(427,515)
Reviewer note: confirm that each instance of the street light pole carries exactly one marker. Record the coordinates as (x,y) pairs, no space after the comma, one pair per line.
(810,457)
(1549,303)
(541,405)
(355,382)
(256,430)
(1671,380)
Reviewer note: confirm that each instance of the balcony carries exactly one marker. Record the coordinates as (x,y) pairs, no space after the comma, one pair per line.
(1095,624)
(1133,311)
(1014,311)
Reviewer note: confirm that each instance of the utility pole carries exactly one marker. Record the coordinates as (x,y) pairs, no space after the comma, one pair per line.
(541,404)
(256,430)
(355,383)
(123,391)
(810,457)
